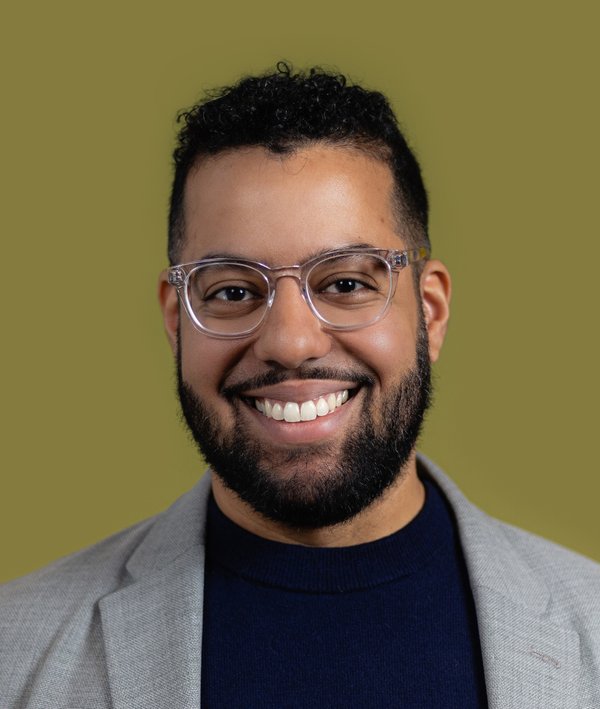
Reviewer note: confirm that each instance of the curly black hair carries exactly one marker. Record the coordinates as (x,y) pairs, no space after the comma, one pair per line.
(284,111)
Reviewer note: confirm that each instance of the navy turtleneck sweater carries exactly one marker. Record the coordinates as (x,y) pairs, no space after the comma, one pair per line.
(390,623)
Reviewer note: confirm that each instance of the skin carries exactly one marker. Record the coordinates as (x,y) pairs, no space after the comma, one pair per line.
(280,211)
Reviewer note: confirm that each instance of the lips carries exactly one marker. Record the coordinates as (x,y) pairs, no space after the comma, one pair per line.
(298,411)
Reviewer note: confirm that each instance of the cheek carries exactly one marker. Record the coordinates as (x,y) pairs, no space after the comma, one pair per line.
(205,362)
(388,348)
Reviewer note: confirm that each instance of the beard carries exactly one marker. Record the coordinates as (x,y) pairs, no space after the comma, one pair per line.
(320,485)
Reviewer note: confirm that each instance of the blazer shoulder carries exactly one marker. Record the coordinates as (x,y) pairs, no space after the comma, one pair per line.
(88,573)
(52,639)
(49,620)
(573,579)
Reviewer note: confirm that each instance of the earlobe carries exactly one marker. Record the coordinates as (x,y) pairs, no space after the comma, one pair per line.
(169,304)
(436,290)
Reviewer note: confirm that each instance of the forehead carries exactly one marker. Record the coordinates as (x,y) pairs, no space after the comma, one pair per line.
(258,205)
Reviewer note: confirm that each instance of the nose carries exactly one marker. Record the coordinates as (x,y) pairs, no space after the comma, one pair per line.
(291,333)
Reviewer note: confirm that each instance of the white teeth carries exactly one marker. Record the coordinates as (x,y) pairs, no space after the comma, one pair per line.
(293,412)
(322,407)
(308,411)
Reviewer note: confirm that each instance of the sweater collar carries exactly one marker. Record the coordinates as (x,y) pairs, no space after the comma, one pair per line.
(332,570)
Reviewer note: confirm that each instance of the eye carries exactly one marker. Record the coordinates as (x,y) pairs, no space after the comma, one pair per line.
(232,293)
(344,285)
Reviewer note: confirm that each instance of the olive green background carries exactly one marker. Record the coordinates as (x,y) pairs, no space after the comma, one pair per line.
(501,104)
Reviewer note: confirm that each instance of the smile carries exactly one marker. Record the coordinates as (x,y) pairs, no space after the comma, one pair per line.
(294,412)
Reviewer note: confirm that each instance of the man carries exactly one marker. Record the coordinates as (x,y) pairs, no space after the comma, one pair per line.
(321,562)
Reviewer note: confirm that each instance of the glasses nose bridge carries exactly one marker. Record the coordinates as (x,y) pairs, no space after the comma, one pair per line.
(297,273)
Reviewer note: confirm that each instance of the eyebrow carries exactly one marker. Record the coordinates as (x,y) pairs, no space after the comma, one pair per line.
(321,252)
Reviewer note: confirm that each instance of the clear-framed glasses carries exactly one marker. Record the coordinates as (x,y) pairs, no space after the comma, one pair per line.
(345,289)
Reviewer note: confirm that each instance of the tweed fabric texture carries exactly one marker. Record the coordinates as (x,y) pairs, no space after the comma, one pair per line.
(119,625)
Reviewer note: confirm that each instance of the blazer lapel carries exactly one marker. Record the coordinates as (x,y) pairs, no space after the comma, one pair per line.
(152,627)
(529,661)
(153,637)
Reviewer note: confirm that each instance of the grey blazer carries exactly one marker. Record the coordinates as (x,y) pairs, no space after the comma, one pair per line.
(119,625)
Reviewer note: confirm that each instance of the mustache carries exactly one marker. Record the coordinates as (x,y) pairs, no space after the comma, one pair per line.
(273,377)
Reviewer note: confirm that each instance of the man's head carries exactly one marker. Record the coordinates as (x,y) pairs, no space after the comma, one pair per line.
(280,206)
(283,112)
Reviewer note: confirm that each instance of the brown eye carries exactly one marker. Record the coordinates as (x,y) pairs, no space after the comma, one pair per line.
(233,293)
(344,285)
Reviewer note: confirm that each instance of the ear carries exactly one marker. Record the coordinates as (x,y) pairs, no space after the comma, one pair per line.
(436,289)
(169,304)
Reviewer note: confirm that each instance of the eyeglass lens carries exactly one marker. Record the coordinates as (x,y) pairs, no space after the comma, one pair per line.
(345,290)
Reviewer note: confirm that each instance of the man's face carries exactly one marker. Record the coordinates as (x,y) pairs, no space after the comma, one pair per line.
(281,211)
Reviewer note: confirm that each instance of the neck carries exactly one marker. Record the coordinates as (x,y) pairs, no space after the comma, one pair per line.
(392,511)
